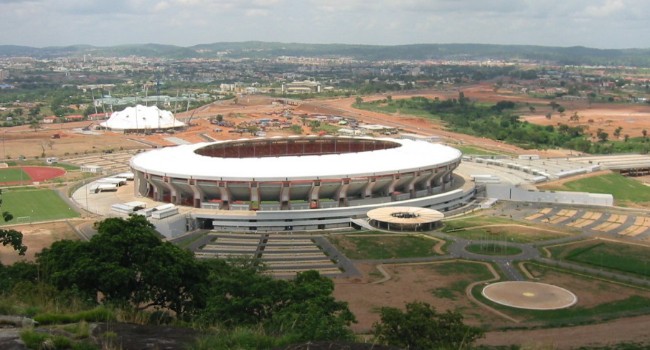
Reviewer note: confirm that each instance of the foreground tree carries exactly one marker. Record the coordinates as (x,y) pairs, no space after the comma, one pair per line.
(302,308)
(128,265)
(422,327)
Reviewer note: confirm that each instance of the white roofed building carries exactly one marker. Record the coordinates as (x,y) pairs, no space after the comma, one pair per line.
(142,118)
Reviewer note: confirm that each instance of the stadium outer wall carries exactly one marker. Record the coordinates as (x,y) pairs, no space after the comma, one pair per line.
(300,183)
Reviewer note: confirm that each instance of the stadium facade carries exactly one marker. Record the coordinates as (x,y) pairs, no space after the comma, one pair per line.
(297,183)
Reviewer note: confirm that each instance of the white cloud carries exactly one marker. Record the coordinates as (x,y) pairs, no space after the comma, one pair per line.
(607,8)
(599,23)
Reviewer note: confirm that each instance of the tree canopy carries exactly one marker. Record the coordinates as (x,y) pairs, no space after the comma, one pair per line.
(127,263)
(422,327)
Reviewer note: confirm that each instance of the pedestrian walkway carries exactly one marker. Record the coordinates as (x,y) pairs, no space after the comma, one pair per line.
(283,255)
(633,225)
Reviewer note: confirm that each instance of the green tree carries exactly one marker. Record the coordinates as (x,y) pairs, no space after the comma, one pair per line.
(422,327)
(617,132)
(358,100)
(127,263)
(311,312)
(34,112)
(602,135)
(240,295)
(34,124)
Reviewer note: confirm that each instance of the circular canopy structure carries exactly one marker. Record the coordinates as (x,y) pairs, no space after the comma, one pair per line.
(307,172)
(405,218)
(142,118)
(295,158)
(529,295)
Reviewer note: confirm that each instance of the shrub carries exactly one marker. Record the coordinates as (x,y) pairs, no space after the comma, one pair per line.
(98,314)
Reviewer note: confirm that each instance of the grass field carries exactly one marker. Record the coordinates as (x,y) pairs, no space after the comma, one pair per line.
(392,109)
(467,272)
(13,174)
(32,205)
(473,221)
(384,247)
(613,256)
(622,188)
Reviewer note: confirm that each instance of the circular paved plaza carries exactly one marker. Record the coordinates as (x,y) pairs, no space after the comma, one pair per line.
(529,295)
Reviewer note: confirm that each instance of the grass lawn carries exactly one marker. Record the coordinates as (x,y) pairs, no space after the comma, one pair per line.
(467,272)
(37,204)
(490,248)
(497,229)
(473,221)
(393,109)
(384,247)
(13,174)
(614,256)
(622,188)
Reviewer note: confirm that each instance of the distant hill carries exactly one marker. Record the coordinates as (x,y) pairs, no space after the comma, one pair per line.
(576,55)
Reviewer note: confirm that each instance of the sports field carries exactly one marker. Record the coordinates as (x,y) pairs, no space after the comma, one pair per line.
(13,175)
(610,255)
(622,188)
(32,205)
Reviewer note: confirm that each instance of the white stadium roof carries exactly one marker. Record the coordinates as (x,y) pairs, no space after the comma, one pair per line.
(183,162)
(142,117)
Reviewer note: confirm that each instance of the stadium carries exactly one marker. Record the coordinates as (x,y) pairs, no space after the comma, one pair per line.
(297,183)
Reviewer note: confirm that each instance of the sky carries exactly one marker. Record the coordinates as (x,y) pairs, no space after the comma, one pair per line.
(591,23)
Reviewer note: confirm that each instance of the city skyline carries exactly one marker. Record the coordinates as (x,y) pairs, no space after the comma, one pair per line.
(599,24)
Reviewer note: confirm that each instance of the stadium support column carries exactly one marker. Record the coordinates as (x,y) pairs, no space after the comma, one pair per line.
(197,193)
(141,185)
(285,195)
(428,182)
(158,191)
(391,187)
(314,198)
(342,194)
(254,191)
(411,185)
(224,194)
(436,183)
(367,191)
(173,193)
(446,178)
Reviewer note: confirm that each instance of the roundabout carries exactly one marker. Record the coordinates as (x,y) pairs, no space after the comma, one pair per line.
(529,295)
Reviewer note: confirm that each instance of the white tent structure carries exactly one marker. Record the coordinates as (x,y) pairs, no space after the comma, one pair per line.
(142,118)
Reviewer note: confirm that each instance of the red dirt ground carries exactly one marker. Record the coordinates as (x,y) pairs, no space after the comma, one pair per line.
(36,174)
(42,173)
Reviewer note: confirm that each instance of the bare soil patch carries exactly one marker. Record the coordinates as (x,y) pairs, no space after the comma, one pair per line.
(37,237)
(633,118)
(408,283)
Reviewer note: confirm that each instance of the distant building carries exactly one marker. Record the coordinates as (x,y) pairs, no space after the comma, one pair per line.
(74,118)
(49,119)
(142,118)
(302,87)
